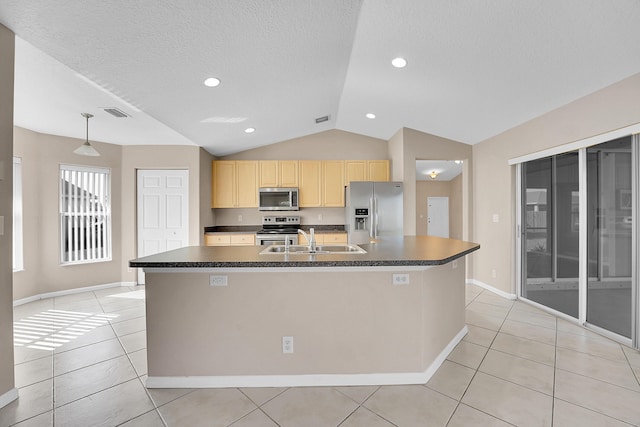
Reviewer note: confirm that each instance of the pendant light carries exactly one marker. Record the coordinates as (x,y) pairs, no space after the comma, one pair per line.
(86,149)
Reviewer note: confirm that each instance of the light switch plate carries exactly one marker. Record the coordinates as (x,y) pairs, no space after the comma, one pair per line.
(1,226)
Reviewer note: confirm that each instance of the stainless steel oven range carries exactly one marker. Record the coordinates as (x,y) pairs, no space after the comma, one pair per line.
(277,229)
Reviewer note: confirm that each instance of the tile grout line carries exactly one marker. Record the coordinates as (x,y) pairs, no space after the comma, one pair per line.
(155,407)
(480,364)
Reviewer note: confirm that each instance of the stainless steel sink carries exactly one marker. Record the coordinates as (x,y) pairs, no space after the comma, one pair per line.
(320,249)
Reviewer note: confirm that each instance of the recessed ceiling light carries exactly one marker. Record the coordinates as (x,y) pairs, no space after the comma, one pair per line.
(370,116)
(250,130)
(399,62)
(212,82)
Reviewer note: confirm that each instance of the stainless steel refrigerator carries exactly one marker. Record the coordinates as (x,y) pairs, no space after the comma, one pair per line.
(373,211)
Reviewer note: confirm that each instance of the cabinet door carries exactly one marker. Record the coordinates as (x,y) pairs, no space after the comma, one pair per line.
(378,170)
(333,183)
(217,239)
(334,238)
(268,173)
(309,183)
(243,239)
(247,183)
(288,170)
(224,184)
(355,170)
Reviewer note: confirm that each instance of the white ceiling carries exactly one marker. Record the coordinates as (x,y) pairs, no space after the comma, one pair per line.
(475,67)
(445,170)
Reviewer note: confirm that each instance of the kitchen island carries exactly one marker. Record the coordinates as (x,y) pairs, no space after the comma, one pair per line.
(232,317)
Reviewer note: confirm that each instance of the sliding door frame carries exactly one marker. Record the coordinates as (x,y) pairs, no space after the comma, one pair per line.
(581,147)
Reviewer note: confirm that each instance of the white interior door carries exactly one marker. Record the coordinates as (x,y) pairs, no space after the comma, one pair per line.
(438,216)
(163,212)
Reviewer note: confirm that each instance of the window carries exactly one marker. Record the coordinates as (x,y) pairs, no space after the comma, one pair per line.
(85,214)
(18,263)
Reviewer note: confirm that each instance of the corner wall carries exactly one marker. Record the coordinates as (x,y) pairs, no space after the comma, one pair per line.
(611,108)
(7,53)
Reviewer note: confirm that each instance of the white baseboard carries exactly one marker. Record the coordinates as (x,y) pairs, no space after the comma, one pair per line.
(8,397)
(490,288)
(307,380)
(70,291)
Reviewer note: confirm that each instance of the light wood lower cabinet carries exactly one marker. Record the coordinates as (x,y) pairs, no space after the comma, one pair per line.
(217,239)
(324,238)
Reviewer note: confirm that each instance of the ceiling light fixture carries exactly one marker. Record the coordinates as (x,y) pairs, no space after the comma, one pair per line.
(433,174)
(250,130)
(86,149)
(399,62)
(212,82)
(370,116)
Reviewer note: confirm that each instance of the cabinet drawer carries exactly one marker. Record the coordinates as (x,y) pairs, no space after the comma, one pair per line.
(334,237)
(217,239)
(243,239)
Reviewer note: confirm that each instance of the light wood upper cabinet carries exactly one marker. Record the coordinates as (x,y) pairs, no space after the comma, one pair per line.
(247,181)
(224,185)
(366,170)
(235,184)
(268,173)
(333,183)
(288,170)
(355,170)
(278,173)
(378,170)
(309,183)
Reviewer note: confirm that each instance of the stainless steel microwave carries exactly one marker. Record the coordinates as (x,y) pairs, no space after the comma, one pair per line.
(278,199)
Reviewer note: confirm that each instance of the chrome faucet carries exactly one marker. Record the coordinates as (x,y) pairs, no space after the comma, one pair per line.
(311,241)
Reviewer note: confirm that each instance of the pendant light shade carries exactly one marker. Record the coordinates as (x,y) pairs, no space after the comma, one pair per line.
(86,149)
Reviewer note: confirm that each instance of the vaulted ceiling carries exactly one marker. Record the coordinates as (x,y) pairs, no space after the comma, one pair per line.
(475,67)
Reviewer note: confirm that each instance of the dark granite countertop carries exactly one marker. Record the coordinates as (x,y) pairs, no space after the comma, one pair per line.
(401,251)
(229,229)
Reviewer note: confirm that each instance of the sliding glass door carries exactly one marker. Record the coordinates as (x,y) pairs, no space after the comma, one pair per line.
(609,237)
(584,270)
(550,232)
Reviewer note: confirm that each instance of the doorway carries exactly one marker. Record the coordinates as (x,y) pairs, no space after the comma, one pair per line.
(163,212)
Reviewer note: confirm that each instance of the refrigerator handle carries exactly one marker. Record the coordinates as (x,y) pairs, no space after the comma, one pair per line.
(375,216)
(372,218)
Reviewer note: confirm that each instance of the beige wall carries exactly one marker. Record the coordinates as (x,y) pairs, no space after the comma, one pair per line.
(136,157)
(611,108)
(41,156)
(327,145)
(7,51)
(451,189)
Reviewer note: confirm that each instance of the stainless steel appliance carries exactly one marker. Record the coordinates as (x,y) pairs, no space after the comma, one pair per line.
(278,199)
(276,230)
(373,211)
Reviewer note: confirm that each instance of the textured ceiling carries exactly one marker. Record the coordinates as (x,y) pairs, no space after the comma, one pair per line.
(476,67)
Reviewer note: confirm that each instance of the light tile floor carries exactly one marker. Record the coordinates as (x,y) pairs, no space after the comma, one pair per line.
(80,360)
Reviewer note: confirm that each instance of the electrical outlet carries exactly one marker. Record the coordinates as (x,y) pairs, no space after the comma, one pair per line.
(287,345)
(401,279)
(454,264)
(496,218)
(217,280)
(239,218)
(494,273)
